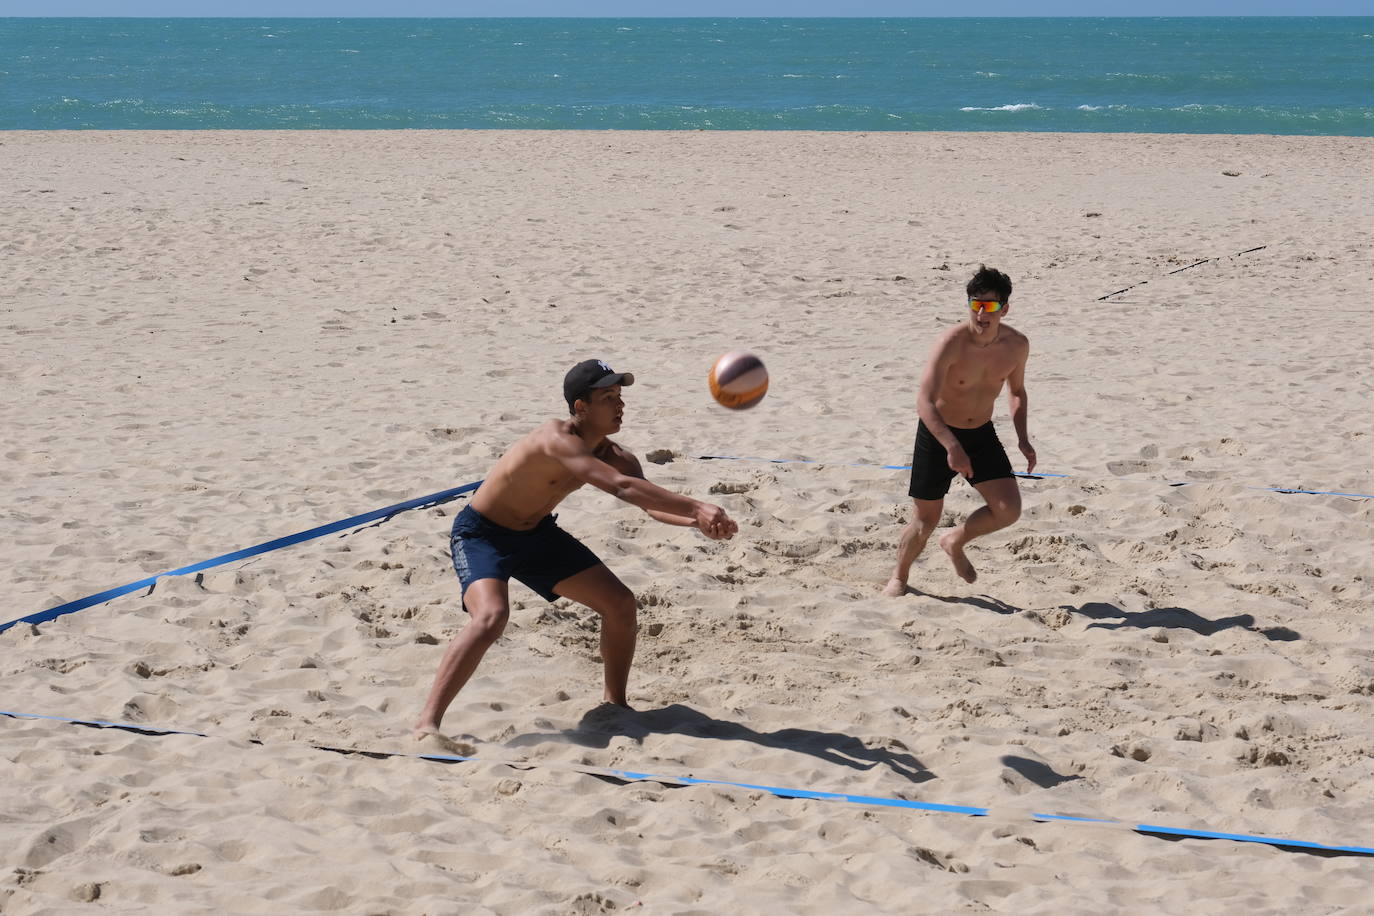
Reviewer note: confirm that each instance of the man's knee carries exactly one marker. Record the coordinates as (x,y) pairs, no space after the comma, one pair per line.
(620,607)
(489,622)
(927,515)
(1007,509)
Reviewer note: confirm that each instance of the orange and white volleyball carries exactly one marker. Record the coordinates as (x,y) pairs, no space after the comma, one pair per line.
(738,380)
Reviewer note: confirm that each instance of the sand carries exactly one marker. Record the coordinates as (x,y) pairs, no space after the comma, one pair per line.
(215,339)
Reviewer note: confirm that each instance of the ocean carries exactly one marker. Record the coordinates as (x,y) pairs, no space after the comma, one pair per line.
(1194,75)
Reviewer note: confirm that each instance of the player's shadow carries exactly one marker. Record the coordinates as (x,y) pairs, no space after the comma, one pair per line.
(602,723)
(986,602)
(1111,617)
(1042,774)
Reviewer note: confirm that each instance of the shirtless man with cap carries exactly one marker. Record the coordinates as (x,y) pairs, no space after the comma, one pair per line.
(508,531)
(965,372)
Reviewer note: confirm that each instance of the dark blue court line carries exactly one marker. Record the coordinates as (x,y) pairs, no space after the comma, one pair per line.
(907,467)
(96,723)
(80,604)
(777,791)
(1291,490)
(446,495)
(1182,269)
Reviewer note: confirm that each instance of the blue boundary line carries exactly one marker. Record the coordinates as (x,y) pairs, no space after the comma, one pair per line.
(446,495)
(907,467)
(80,604)
(777,791)
(1182,269)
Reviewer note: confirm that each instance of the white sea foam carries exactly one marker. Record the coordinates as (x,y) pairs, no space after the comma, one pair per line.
(986,73)
(1019,106)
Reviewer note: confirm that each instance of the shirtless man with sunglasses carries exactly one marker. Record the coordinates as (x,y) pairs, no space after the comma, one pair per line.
(965,372)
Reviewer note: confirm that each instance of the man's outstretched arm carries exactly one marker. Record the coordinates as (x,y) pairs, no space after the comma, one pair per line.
(627,463)
(637,491)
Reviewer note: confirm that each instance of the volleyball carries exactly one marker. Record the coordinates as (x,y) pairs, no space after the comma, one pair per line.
(738,380)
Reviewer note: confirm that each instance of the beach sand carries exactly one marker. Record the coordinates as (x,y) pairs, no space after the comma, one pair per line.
(216,339)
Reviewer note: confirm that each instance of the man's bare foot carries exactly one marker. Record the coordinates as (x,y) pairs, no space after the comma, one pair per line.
(432,737)
(895,588)
(956,556)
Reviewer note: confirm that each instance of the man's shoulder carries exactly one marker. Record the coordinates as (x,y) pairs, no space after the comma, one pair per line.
(619,456)
(552,434)
(1016,338)
(555,427)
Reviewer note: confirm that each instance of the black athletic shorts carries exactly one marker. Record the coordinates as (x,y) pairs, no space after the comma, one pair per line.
(930,470)
(541,557)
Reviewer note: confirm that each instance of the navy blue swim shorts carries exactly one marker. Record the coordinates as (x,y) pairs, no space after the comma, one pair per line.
(540,558)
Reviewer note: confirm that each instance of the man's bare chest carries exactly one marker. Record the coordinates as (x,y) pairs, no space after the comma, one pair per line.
(976,372)
(556,483)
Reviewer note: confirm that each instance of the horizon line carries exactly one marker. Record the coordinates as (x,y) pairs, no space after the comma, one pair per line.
(654,18)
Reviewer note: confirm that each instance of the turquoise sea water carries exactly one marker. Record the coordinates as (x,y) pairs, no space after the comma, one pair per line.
(1206,75)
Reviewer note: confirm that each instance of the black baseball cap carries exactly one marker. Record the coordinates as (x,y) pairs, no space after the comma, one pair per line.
(589,374)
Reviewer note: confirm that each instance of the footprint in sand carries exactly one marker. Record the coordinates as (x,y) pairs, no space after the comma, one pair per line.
(1121,468)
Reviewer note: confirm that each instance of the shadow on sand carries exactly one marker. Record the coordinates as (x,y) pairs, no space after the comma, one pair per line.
(1039,773)
(599,725)
(986,602)
(1111,617)
(1175,618)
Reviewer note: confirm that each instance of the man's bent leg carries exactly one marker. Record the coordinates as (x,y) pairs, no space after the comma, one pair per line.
(600,590)
(1003,498)
(924,518)
(488,601)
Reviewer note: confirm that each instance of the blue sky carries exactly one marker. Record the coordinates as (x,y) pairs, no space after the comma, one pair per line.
(714,8)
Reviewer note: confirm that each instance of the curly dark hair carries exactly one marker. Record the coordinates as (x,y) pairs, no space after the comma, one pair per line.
(990,280)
